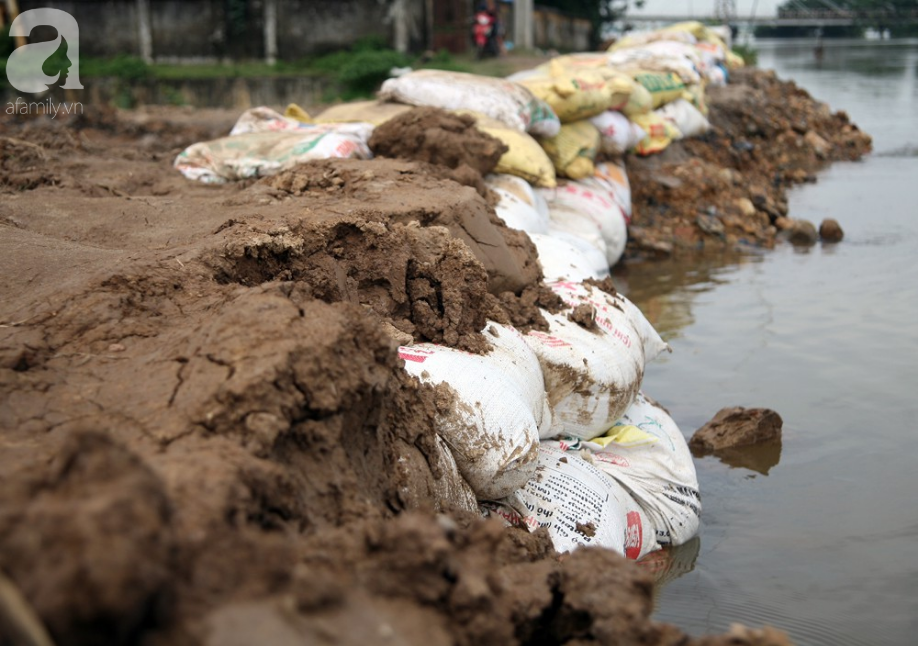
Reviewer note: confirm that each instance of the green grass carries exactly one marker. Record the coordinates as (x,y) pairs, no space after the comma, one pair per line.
(750,55)
(354,73)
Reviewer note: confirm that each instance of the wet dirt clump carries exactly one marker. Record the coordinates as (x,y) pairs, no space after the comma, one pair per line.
(441,138)
(728,188)
(737,427)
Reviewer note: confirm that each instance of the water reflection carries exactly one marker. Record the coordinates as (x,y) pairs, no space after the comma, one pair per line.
(667,289)
(757,457)
(670,563)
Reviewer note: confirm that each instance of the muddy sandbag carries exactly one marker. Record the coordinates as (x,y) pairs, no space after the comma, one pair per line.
(259,154)
(579,505)
(592,358)
(496,410)
(500,99)
(439,137)
(524,158)
(647,454)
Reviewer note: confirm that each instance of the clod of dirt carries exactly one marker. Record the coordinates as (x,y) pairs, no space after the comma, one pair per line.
(830,231)
(584,315)
(735,427)
(438,137)
(23,165)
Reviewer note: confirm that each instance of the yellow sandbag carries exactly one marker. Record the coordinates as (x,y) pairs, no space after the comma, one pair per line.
(663,86)
(577,94)
(573,150)
(660,133)
(640,101)
(734,60)
(693,27)
(375,112)
(294,111)
(524,157)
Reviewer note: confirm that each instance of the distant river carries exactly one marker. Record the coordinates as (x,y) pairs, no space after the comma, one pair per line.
(818,536)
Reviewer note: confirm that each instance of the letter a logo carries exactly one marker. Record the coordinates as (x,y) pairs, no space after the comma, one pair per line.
(24,66)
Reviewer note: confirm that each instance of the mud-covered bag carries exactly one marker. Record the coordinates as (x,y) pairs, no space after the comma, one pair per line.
(592,357)
(258,154)
(498,408)
(506,101)
(647,454)
(578,505)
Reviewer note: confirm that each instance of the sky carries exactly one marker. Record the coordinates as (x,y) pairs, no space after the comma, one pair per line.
(702,8)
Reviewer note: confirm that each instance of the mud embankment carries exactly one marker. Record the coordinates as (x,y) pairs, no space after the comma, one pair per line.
(205,433)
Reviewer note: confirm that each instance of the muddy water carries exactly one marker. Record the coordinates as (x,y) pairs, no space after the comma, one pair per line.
(818,536)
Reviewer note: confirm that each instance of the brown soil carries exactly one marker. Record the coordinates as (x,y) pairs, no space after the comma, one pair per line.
(205,433)
(727,188)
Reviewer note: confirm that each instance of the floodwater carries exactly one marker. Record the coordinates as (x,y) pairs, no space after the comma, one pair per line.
(817,536)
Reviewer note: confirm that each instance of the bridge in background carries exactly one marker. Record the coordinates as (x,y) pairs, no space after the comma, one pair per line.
(794,18)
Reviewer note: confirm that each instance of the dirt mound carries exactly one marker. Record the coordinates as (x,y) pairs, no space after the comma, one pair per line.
(728,187)
(438,137)
(412,192)
(23,165)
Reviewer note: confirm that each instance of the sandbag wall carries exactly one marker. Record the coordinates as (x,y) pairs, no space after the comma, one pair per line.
(549,428)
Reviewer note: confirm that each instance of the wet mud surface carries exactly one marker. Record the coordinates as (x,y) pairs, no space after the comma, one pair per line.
(205,433)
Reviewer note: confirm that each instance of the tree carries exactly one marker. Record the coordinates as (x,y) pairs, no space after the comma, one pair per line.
(598,12)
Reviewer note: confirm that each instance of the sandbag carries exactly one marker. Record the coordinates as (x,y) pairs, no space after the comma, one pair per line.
(524,158)
(257,154)
(498,412)
(660,133)
(573,150)
(592,368)
(519,214)
(663,86)
(568,219)
(686,117)
(647,454)
(375,112)
(640,101)
(590,200)
(611,176)
(618,134)
(506,101)
(578,505)
(264,119)
(578,94)
(563,256)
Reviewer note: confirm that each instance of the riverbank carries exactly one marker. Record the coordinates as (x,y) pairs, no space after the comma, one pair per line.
(207,437)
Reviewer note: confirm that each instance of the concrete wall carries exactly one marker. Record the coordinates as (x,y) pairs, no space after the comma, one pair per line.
(235,29)
(554,30)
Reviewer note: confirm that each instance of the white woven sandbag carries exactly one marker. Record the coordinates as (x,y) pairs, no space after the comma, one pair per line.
(520,188)
(499,99)
(686,117)
(499,408)
(592,375)
(579,506)
(258,154)
(575,200)
(566,257)
(518,214)
(569,220)
(619,134)
(612,177)
(647,454)
(263,119)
